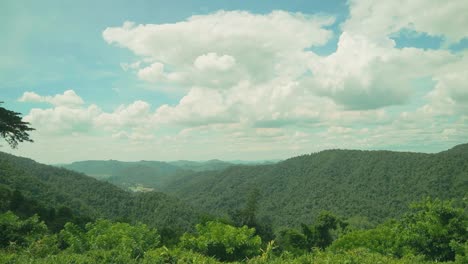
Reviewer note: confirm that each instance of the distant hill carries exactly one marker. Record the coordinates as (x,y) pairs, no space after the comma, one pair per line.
(58,187)
(366,185)
(201,165)
(99,169)
(153,174)
(150,174)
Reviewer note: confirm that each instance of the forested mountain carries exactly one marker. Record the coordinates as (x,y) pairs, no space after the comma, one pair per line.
(102,169)
(86,196)
(367,186)
(70,203)
(201,165)
(152,175)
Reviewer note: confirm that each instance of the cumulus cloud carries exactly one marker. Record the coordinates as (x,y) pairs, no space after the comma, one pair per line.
(377,19)
(453,79)
(62,119)
(136,114)
(213,61)
(367,71)
(68,98)
(252,47)
(364,74)
(200,106)
(152,73)
(263,79)
(252,82)
(70,116)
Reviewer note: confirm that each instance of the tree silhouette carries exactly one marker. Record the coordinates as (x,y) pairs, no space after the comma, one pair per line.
(12,128)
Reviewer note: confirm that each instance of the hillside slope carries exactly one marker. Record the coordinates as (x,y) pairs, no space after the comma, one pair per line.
(150,174)
(362,184)
(56,187)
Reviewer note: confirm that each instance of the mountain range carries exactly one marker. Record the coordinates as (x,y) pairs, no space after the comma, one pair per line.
(366,187)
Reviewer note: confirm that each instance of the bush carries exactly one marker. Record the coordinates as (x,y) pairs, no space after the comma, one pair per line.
(222,241)
(15,232)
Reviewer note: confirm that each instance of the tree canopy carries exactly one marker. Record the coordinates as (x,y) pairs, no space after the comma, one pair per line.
(12,127)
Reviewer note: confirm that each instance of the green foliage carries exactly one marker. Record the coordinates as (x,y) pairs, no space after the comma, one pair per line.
(122,237)
(109,239)
(319,235)
(222,241)
(248,216)
(24,207)
(382,239)
(165,256)
(356,256)
(433,229)
(363,256)
(74,238)
(106,242)
(12,128)
(45,246)
(293,241)
(15,232)
(461,252)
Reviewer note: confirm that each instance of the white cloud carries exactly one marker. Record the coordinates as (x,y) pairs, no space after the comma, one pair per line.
(31,97)
(253,87)
(130,66)
(377,19)
(213,61)
(200,106)
(62,119)
(135,115)
(68,98)
(133,136)
(152,73)
(246,46)
(67,116)
(453,80)
(365,74)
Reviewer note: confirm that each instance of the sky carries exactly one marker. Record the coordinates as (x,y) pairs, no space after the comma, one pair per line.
(233,80)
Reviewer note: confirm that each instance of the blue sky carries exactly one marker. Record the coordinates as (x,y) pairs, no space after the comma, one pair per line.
(160,80)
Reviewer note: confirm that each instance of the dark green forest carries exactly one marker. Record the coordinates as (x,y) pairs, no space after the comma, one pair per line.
(433,231)
(367,186)
(86,196)
(336,206)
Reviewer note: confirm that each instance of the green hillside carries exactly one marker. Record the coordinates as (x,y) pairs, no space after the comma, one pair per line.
(153,175)
(58,187)
(201,165)
(368,186)
(85,220)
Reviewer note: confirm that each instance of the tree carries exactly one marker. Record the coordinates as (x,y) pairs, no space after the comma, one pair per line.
(319,235)
(434,228)
(108,238)
(222,241)
(12,128)
(247,215)
(20,233)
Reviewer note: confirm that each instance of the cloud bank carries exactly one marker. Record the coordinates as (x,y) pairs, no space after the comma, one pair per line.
(252,85)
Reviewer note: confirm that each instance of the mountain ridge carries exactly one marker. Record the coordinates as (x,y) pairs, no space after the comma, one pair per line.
(374,184)
(57,187)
